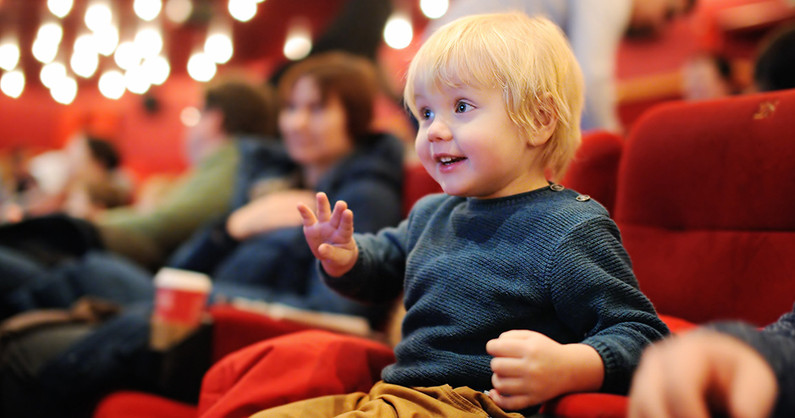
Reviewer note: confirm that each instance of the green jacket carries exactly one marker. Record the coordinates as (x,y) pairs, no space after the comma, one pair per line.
(202,193)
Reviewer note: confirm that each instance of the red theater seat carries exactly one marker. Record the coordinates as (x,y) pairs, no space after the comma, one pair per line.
(129,404)
(706,207)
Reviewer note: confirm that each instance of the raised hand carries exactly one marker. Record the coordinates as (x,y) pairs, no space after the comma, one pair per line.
(330,235)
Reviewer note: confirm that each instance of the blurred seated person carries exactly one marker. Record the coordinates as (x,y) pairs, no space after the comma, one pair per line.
(774,68)
(52,261)
(88,198)
(723,369)
(713,76)
(325,119)
(706,76)
(257,252)
(232,112)
(84,160)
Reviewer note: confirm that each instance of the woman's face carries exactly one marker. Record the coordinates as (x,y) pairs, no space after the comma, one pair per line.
(315,133)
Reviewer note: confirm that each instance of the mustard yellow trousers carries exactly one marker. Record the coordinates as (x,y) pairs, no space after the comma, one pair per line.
(387,400)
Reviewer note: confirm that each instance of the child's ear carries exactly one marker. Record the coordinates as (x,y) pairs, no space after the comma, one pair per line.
(546,123)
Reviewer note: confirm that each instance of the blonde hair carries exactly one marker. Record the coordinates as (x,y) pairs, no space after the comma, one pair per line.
(528,58)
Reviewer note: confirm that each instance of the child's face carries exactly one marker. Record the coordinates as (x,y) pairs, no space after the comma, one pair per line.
(471,147)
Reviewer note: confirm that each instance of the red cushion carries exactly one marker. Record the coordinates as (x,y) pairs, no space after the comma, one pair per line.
(711,275)
(290,368)
(126,404)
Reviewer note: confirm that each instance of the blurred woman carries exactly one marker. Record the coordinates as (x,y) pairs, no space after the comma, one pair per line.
(325,118)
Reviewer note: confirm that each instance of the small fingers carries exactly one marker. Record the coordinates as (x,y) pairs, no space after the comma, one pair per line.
(510,403)
(336,217)
(346,224)
(508,366)
(330,252)
(509,385)
(506,347)
(323,207)
(307,216)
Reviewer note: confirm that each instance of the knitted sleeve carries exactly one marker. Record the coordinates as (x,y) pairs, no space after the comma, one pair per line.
(377,276)
(596,294)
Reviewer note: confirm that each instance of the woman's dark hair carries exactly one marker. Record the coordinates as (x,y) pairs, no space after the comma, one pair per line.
(775,66)
(104,152)
(351,78)
(247,109)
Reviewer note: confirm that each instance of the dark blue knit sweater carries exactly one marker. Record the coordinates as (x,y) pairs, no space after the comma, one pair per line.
(472,269)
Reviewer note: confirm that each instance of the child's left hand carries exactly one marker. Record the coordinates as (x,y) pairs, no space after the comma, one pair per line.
(531,368)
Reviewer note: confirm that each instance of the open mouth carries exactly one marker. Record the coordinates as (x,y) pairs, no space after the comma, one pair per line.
(450,160)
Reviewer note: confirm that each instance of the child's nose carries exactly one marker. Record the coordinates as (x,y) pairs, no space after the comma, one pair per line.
(439,131)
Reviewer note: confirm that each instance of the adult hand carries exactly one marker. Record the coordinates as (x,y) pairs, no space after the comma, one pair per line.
(272,211)
(701,372)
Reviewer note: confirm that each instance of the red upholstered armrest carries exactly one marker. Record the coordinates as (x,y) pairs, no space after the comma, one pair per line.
(235,328)
(677,325)
(126,404)
(587,405)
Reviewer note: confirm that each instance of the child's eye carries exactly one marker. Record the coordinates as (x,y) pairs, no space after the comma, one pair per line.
(462,107)
(426,113)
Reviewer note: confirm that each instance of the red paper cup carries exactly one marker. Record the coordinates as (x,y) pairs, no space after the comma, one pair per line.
(180,299)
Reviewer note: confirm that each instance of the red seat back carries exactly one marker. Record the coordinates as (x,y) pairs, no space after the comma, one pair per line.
(706,207)
(595,167)
(417,183)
